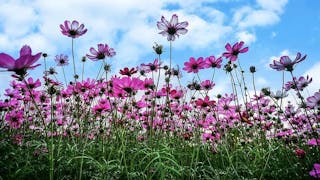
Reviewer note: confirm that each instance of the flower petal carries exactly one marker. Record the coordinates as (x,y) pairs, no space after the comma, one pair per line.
(174,20)
(74,25)
(182,31)
(6,61)
(25,50)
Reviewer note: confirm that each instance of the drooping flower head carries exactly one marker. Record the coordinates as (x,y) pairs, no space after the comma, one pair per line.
(73,30)
(233,52)
(22,64)
(173,28)
(103,51)
(61,60)
(194,65)
(286,63)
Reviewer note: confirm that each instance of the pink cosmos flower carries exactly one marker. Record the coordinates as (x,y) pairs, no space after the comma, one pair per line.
(151,66)
(315,172)
(22,64)
(233,52)
(205,102)
(286,63)
(194,65)
(173,28)
(61,60)
(103,51)
(127,72)
(314,101)
(73,29)
(314,142)
(15,118)
(212,62)
(127,85)
(207,85)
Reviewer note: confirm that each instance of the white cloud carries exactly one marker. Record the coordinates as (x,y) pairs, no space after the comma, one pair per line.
(273,5)
(268,13)
(259,18)
(247,37)
(127,26)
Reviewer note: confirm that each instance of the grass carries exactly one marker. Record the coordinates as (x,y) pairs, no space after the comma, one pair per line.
(121,156)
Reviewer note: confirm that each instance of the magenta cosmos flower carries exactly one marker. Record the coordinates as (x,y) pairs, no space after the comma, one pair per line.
(315,172)
(173,28)
(22,64)
(103,51)
(194,65)
(233,52)
(286,63)
(73,30)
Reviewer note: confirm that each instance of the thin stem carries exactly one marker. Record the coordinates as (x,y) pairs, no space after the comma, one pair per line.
(64,76)
(74,64)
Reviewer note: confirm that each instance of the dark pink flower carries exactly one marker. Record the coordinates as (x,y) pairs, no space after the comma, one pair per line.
(127,72)
(173,28)
(286,63)
(73,30)
(103,51)
(22,64)
(233,52)
(194,65)
(14,118)
(127,85)
(205,102)
(300,153)
(315,172)
(212,62)
(207,85)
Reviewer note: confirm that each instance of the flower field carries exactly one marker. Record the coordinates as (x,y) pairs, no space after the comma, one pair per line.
(144,123)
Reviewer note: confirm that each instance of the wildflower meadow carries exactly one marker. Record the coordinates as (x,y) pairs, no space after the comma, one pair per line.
(145,123)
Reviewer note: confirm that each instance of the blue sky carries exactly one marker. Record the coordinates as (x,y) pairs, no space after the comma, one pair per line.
(270,28)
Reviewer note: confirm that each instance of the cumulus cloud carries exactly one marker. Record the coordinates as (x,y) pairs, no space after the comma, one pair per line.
(127,26)
(268,13)
(245,36)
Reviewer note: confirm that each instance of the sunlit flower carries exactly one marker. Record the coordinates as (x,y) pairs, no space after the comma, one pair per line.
(212,62)
(73,30)
(22,64)
(194,65)
(314,101)
(279,94)
(233,52)
(103,51)
(61,60)
(207,85)
(173,28)
(151,66)
(286,63)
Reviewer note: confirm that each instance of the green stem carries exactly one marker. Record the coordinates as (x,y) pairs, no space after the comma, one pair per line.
(74,64)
